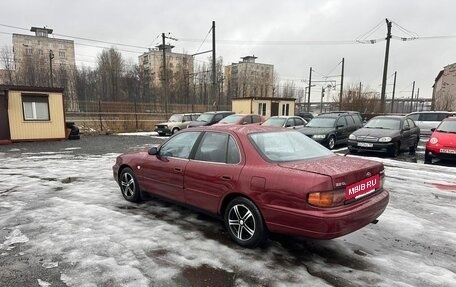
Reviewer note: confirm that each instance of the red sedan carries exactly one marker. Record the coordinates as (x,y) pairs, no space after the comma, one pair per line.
(259,180)
(442,143)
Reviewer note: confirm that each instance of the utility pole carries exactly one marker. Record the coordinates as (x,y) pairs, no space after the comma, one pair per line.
(359,90)
(310,86)
(416,99)
(394,91)
(165,76)
(385,67)
(411,100)
(214,72)
(321,99)
(51,56)
(341,85)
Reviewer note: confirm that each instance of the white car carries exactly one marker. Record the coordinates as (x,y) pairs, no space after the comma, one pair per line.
(428,120)
(285,121)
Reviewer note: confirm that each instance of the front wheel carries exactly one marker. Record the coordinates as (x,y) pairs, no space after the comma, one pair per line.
(175,130)
(427,157)
(129,185)
(245,223)
(331,142)
(395,149)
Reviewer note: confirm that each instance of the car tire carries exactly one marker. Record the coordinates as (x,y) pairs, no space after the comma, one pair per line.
(427,157)
(395,150)
(331,142)
(161,134)
(414,146)
(244,223)
(129,185)
(175,130)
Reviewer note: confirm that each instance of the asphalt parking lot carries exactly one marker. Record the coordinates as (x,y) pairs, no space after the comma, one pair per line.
(63,222)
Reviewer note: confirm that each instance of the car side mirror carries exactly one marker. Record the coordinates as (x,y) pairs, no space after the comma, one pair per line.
(153,151)
(433,129)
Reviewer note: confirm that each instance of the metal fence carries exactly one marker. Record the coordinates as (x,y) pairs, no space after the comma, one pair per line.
(129,116)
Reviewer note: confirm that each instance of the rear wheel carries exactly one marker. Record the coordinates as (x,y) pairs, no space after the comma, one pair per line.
(244,223)
(414,146)
(129,185)
(175,130)
(331,142)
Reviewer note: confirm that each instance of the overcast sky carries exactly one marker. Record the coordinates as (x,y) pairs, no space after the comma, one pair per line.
(291,35)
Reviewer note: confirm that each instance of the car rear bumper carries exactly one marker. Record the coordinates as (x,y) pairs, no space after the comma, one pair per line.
(326,223)
(162,130)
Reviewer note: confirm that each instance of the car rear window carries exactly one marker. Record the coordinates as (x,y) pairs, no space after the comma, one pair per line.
(285,146)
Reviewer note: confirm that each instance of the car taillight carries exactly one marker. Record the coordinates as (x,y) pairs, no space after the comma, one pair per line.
(327,198)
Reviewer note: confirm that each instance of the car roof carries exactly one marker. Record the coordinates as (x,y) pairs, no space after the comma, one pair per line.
(390,117)
(218,112)
(243,129)
(432,112)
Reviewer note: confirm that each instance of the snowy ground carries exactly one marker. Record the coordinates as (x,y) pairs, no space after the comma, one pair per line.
(63,222)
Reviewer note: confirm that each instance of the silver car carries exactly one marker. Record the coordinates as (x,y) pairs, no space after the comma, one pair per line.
(175,123)
(428,120)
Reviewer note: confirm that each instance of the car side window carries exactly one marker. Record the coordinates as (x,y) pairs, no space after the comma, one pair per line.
(187,118)
(442,116)
(299,122)
(429,117)
(233,154)
(341,122)
(180,145)
(414,117)
(411,123)
(406,125)
(256,119)
(218,117)
(212,147)
(248,119)
(290,123)
(350,121)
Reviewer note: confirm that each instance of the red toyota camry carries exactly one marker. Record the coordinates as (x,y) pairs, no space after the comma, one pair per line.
(442,143)
(259,180)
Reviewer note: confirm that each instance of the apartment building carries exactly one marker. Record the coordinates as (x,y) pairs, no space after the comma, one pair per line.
(444,93)
(43,60)
(248,79)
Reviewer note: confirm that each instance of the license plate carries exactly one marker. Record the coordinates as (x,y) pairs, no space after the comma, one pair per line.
(365,144)
(363,187)
(445,150)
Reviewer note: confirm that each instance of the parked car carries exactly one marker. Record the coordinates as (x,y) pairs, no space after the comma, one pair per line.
(258,179)
(428,120)
(357,117)
(241,119)
(389,134)
(331,129)
(442,143)
(305,115)
(285,121)
(209,118)
(175,123)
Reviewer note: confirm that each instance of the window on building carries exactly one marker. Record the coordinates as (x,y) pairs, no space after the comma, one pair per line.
(39,42)
(40,52)
(35,107)
(285,109)
(28,51)
(61,46)
(50,45)
(62,54)
(262,109)
(28,42)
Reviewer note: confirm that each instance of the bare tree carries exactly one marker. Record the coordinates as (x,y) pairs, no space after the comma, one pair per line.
(110,70)
(7,61)
(364,101)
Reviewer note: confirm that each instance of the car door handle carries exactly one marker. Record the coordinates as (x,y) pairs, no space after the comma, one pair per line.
(178,169)
(225,177)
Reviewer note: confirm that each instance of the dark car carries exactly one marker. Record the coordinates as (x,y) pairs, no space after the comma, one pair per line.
(237,174)
(331,129)
(209,118)
(442,143)
(305,115)
(389,134)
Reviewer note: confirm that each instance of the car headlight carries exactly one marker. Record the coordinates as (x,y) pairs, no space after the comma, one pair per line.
(384,139)
(352,137)
(319,136)
(434,140)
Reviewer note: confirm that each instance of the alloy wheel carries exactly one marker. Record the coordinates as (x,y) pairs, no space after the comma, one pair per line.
(128,185)
(241,222)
